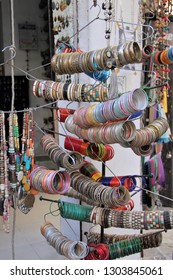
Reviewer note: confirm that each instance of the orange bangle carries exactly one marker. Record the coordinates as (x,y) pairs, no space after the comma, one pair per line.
(33,191)
(83,148)
(164,57)
(156,60)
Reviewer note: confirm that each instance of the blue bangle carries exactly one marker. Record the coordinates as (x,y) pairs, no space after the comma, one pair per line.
(170,54)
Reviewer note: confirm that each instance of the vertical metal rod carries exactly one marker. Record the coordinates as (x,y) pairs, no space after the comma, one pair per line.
(51,37)
(103,175)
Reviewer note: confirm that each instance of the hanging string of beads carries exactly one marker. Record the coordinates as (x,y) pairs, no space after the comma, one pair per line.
(11,153)
(4,183)
(16,143)
(27,152)
(2,145)
(7,201)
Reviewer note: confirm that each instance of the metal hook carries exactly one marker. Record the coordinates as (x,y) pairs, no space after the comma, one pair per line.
(28,77)
(96,5)
(148,17)
(12,49)
(69,104)
(50,211)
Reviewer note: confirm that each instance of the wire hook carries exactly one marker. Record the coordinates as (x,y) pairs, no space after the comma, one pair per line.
(96,5)
(12,49)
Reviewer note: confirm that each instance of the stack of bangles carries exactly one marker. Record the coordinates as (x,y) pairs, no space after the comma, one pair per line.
(72,250)
(121,219)
(147,52)
(124,248)
(104,195)
(155,166)
(67,91)
(78,250)
(121,246)
(148,134)
(72,160)
(98,252)
(124,133)
(88,169)
(73,193)
(128,181)
(98,60)
(101,76)
(108,133)
(148,240)
(111,110)
(49,181)
(63,113)
(163,57)
(143,151)
(98,152)
(113,251)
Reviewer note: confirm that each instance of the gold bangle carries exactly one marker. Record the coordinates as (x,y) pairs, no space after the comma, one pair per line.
(135,51)
(121,57)
(126,53)
(53,62)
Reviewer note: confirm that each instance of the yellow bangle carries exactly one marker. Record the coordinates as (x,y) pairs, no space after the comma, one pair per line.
(97,176)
